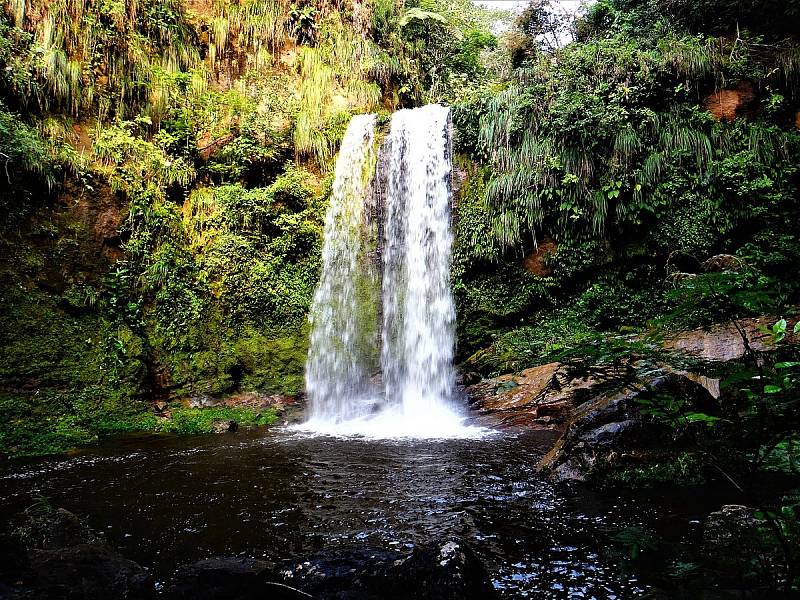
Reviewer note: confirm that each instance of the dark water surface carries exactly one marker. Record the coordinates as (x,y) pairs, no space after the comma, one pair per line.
(166,501)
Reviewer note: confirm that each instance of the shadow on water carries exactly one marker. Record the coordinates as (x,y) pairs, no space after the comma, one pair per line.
(166,501)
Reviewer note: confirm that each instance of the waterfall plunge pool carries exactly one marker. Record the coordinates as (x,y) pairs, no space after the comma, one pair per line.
(164,501)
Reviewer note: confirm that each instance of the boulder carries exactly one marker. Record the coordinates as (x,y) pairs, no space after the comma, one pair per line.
(51,529)
(85,572)
(230,578)
(57,556)
(447,570)
(444,571)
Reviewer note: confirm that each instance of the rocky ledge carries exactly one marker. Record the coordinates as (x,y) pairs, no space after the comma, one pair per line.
(598,410)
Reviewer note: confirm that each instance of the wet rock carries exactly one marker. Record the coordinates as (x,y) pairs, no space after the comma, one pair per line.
(85,572)
(229,578)
(515,400)
(53,554)
(567,472)
(447,570)
(609,434)
(224,426)
(44,528)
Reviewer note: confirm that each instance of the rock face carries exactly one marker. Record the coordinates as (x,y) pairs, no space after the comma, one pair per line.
(524,399)
(612,424)
(598,412)
(546,396)
(536,261)
(723,343)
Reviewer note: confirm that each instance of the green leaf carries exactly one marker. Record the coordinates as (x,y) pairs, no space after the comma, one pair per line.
(780,326)
(772,389)
(420,15)
(698,417)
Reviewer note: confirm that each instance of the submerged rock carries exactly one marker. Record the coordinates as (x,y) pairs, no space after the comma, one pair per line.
(58,557)
(447,570)
(230,578)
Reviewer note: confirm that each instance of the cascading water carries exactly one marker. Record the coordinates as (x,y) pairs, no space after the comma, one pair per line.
(418,325)
(343,332)
(417,337)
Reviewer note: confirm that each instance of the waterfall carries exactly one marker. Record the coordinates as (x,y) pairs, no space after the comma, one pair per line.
(419,316)
(412,185)
(343,311)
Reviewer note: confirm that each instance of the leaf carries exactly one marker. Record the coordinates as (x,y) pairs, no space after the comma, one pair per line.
(420,15)
(772,389)
(787,365)
(698,417)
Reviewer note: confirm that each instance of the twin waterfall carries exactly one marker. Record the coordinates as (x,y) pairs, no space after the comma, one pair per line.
(380,362)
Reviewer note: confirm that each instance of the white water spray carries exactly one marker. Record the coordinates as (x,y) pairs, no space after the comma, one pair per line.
(342,335)
(417,338)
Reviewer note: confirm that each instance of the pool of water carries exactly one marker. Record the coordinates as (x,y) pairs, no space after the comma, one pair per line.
(165,501)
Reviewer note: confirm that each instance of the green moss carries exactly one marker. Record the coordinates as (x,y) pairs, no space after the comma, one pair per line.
(272,364)
(201,420)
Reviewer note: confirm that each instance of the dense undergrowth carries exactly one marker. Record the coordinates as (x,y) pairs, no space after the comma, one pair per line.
(613,154)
